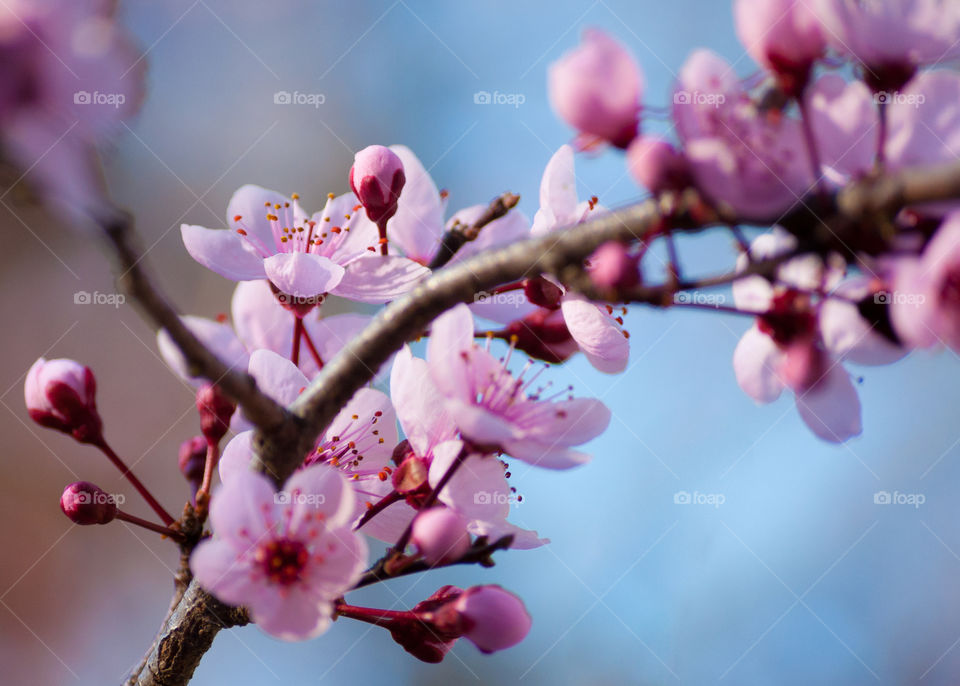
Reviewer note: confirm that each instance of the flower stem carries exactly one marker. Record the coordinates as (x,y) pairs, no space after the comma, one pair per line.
(372,615)
(434,494)
(166,531)
(213,456)
(297,335)
(378,507)
(314,353)
(129,476)
(382,229)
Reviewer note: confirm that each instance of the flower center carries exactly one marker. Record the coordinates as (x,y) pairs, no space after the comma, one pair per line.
(789,318)
(283,560)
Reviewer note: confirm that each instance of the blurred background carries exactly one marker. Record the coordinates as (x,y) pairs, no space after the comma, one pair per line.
(798,577)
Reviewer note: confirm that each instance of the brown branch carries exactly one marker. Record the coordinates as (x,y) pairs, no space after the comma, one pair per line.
(459,235)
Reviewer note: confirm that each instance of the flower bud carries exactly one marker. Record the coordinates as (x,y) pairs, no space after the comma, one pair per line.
(785,36)
(542,293)
(410,479)
(192,460)
(656,165)
(215,409)
(431,638)
(85,503)
(441,535)
(494,619)
(542,334)
(377,178)
(611,266)
(61,394)
(596,88)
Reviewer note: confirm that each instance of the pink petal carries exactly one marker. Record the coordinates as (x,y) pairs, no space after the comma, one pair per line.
(480,425)
(420,406)
(243,509)
(847,334)
(418,224)
(831,409)
(380,278)
(223,252)
(451,335)
(217,568)
(277,376)
(236,456)
(571,422)
(327,494)
(359,233)
(249,202)
(344,558)
(259,320)
(598,336)
(292,616)
(365,405)
(546,455)
(303,275)
(512,227)
(756,363)
(558,193)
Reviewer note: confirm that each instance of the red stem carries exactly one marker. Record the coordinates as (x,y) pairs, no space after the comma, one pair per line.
(297,335)
(382,229)
(314,353)
(378,507)
(373,615)
(129,476)
(213,456)
(132,519)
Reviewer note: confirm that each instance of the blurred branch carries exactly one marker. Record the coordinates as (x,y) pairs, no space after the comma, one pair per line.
(459,235)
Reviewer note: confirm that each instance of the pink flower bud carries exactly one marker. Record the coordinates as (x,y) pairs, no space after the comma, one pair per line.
(192,460)
(215,409)
(596,88)
(438,628)
(543,334)
(61,394)
(85,503)
(377,178)
(784,36)
(611,266)
(441,535)
(494,619)
(542,293)
(656,165)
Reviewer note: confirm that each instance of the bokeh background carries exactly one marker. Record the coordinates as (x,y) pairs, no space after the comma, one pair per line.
(797,578)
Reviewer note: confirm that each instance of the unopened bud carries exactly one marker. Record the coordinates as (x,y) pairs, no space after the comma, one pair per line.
(192,460)
(494,619)
(440,535)
(61,394)
(215,409)
(612,266)
(377,178)
(85,503)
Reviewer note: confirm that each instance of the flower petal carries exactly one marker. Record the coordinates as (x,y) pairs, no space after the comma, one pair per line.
(418,224)
(223,252)
(756,362)
(598,336)
(303,275)
(216,336)
(420,407)
(832,407)
(379,279)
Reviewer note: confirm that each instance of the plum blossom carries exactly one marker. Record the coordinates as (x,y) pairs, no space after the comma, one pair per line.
(755,162)
(891,38)
(377,178)
(285,557)
(596,88)
(305,257)
(494,409)
(418,225)
(70,77)
(479,491)
(597,333)
(62,394)
(260,322)
(359,441)
(800,344)
(925,307)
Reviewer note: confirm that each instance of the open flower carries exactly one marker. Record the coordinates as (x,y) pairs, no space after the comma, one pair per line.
(495,410)
(272,237)
(285,556)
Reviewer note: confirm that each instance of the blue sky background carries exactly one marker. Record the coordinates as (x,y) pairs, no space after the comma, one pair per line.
(797,578)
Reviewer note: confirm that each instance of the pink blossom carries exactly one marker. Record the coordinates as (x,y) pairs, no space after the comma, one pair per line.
(440,535)
(479,491)
(799,344)
(495,619)
(754,162)
(61,394)
(893,37)
(597,333)
(70,76)
(272,237)
(494,409)
(418,226)
(359,442)
(377,178)
(596,88)
(925,307)
(260,322)
(285,557)
(784,36)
